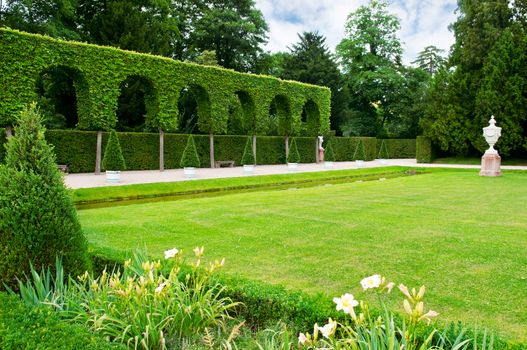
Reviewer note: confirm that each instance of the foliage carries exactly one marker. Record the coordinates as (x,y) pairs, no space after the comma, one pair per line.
(345,147)
(382,92)
(423,150)
(329,155)
(190,158)
(484,78)
(23,326)
(3,139)
(383,151)
(248,155)
(37,217)
(360,152)
(398,148)
(26,55)
(431,59)
(311,62)
(235,30)
(113,156)
(293,156)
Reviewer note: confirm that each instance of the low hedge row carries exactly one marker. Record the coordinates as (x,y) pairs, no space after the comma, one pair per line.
(28,327)
(77,149)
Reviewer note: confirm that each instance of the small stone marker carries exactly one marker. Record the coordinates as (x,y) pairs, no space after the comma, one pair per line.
(491,160)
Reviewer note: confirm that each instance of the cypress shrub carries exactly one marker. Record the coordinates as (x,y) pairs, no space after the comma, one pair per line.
(190,157)
(248,155)
(329,155)
(360,153)
(383,151)
(113,155)
(294,156)
(38,220)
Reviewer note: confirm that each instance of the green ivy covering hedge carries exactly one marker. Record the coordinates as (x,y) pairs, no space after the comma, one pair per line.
(99,71)
(398,148)
(27,327)
(423,149)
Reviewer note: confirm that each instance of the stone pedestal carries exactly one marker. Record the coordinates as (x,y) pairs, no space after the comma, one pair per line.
(490,165)
(321,155)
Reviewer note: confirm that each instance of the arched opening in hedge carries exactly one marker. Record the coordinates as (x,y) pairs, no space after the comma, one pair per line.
(280,122)
(310,118)
(194,110)
(58,89)
(248,114)
(136,104)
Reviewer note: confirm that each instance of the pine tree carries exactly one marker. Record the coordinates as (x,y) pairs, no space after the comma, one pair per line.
(38,220)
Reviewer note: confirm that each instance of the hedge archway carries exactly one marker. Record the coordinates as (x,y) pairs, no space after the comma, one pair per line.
(310,118)
(137,104)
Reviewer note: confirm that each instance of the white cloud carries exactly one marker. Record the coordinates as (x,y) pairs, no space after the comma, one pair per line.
(423,22)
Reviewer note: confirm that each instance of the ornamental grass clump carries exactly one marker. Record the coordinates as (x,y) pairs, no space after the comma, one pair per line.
(38,219)
(248,153)
(113,155)
(293,156)
(190,158)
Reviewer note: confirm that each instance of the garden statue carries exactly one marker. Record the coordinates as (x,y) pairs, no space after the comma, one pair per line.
(491,160)
(320,149)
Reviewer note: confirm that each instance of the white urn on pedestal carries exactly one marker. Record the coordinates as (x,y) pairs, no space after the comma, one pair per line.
(491,160)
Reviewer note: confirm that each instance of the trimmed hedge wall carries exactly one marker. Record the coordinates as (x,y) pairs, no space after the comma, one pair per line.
(141,150)
(344,147)
(423,149)
(27,327)
(398,148)
(98,72)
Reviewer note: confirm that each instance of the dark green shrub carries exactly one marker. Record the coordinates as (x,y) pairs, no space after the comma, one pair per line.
(113,155)
(190,157)
(344,147)
(228,147)
(306,149)
(248,155)
(270,150)
(329,155)
(360,152)
(423,149)
(27,327)
(74,148)
(383,151)
(2,142)
(293,156)
(37,217)
(398,148)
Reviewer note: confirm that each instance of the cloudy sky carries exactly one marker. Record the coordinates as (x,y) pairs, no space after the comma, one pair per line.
(423,22)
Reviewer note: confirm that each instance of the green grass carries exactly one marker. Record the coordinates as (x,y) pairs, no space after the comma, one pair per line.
(477,161)
(463,236)
(117,193)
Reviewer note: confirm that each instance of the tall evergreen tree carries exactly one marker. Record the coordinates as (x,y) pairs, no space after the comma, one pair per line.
(311,62)
(431,59)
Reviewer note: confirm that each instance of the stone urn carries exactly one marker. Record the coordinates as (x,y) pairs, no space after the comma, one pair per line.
(491,160)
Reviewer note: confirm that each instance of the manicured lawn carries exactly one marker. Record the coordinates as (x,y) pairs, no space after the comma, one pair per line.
(463,236)
(477,161)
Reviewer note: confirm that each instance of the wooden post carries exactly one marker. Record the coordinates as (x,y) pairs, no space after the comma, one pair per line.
(254,148)
(8,131)
(211,142)
(98,153)
(317,158)
(161,150)
(286,146)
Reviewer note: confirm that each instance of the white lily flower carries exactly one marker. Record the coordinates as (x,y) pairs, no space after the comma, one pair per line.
(329,329)
(371,282)
(171,253)
(302,339)
(346,303)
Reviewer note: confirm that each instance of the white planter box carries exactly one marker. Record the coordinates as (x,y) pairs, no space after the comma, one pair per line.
(292,166)
(328,165)
(113,176)
(189,172)
(359,163)
(248,169)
